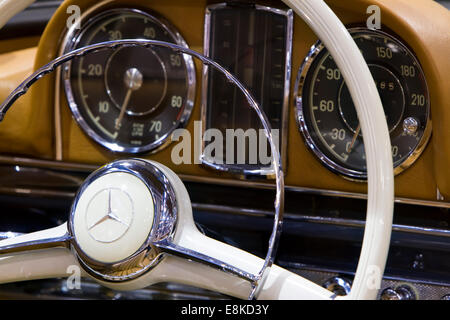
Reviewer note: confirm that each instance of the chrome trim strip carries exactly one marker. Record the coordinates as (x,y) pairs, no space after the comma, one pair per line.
(317,219)
(36,192)
(267,213)
(314,191)
(88,168)
(242,170)
(48,164)
(57,121)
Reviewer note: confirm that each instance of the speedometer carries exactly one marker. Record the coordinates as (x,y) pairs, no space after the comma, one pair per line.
(129,99)
(327,117)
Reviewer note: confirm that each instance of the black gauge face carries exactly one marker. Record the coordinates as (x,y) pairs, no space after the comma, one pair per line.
(327,115)
(129,99)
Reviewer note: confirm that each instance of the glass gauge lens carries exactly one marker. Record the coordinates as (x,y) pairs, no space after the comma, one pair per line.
(327,115)
(129,99)
(254,43)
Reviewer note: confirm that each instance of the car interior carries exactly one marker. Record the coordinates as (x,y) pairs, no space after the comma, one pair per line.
(222,149)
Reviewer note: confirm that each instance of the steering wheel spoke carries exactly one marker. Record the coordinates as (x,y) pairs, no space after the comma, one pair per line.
(38,255)
(50,238)
(173,249)
(216,266)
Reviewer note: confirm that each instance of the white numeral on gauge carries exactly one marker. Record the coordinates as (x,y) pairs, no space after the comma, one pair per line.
(150,33)
(337,134)
(326,105)
(103,106)
(115,35)
(408,71)
(175,60)
(394,151)
(333,74)
(417,100)
(177,101)
(95,70)
(383,52)
(155,126)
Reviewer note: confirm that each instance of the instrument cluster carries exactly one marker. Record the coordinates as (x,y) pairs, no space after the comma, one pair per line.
(132,99)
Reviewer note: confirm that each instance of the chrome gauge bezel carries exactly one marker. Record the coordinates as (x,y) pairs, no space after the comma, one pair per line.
(70,43)
(335,167)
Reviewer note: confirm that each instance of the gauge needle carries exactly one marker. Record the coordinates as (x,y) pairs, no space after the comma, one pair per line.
(355,136)
(133,81)
(123,108)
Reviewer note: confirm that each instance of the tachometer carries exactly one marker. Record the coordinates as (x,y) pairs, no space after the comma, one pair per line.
(327,116)
(131,99)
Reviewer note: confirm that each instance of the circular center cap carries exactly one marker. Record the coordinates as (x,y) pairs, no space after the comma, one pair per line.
(113,217)
(133,79)
(140,70)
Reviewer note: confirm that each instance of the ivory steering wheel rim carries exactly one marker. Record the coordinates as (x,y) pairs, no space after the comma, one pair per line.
(377,144)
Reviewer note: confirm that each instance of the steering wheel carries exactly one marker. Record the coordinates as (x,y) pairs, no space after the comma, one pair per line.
(154,239)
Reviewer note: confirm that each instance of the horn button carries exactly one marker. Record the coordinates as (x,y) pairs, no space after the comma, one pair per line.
(117,215)
(113,217)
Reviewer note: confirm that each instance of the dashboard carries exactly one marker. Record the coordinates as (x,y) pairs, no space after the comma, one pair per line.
(148,102)
(320,149)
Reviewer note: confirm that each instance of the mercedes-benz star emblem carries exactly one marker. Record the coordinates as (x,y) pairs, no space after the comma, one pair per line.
(109,215)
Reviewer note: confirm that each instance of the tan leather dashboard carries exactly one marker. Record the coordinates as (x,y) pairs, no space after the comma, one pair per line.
(29,128)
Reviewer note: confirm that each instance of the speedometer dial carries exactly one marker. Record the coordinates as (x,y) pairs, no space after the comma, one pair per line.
(130,99)
(327,116)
